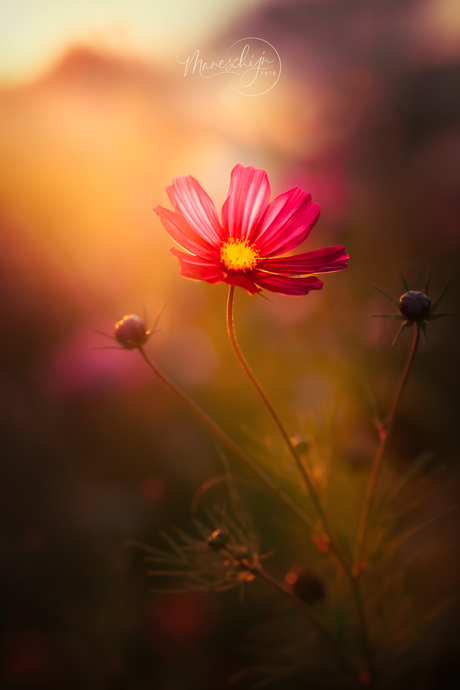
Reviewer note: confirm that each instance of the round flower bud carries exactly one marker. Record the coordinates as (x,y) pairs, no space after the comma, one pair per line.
(415,306)
(308,587)
(130,332)
(218,540)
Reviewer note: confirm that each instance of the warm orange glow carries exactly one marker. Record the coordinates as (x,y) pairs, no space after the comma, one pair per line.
(320,543)
(291,577)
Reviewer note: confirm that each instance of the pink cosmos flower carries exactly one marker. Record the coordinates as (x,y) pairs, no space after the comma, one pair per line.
(243,248)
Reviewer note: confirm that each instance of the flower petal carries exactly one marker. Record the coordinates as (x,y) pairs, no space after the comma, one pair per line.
(320,261)
(247,199)
(191,201)
(288,286)
(243,281)
(181,232)
(287,222)
(196,268)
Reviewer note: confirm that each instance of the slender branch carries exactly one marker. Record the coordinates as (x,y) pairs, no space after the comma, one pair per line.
(257,570)
(225,440)
(377,463)
(271,410)
(334,546)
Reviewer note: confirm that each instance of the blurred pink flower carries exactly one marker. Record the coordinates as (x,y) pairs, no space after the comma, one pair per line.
(243,249)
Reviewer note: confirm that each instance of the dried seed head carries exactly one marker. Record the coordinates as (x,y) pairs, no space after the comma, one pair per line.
(415,306)
(218,540)
(131,332)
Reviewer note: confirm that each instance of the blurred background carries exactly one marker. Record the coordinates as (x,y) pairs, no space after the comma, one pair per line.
(96,118)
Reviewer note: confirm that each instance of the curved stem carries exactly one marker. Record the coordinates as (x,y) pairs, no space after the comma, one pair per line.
(224,439)
(271,410)
(377,463)
(258,571)
(334,546)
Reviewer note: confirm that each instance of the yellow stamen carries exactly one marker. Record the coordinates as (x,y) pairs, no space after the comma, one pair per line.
(239,255)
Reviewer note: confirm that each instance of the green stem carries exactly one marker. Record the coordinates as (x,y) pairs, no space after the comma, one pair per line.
(333,543)
(258,571)
(271,410)
(224,439)
(377,463)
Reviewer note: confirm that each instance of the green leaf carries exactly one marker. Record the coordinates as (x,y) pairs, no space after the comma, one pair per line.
(422,327)
(106,335)
(419,463)
(406,286)
(427,281)
(414,505)
(157,319)
(395,544)
(398,317)
(433,317)
(438,301)
(404,325)
(392,299)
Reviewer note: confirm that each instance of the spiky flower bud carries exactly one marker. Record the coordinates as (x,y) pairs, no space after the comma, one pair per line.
(415,306)
(131,332)
(218,540)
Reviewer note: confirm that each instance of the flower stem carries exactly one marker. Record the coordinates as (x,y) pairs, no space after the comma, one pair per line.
(257,570)
(333,544)
(271,410)
(224,439)
(377,463)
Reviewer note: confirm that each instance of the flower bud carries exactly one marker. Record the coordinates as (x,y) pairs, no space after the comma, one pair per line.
(218,540)
(308,587)
(130,332)
(415,306)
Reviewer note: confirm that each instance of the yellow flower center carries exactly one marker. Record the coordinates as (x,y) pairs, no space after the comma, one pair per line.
(239,255)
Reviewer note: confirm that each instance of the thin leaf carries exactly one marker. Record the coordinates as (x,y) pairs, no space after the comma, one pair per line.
(109,347)
(427,281)
(106,335)
(169,540)
(433,317)
(208,484)
(422,327)
(158,318)
(404,325)
(173,573)
(392,299)
(397,317)
(434,612)
(148,549)
(420,462)
(406,286)
(399,541)
(261,294)
(413,505)
(438,301)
